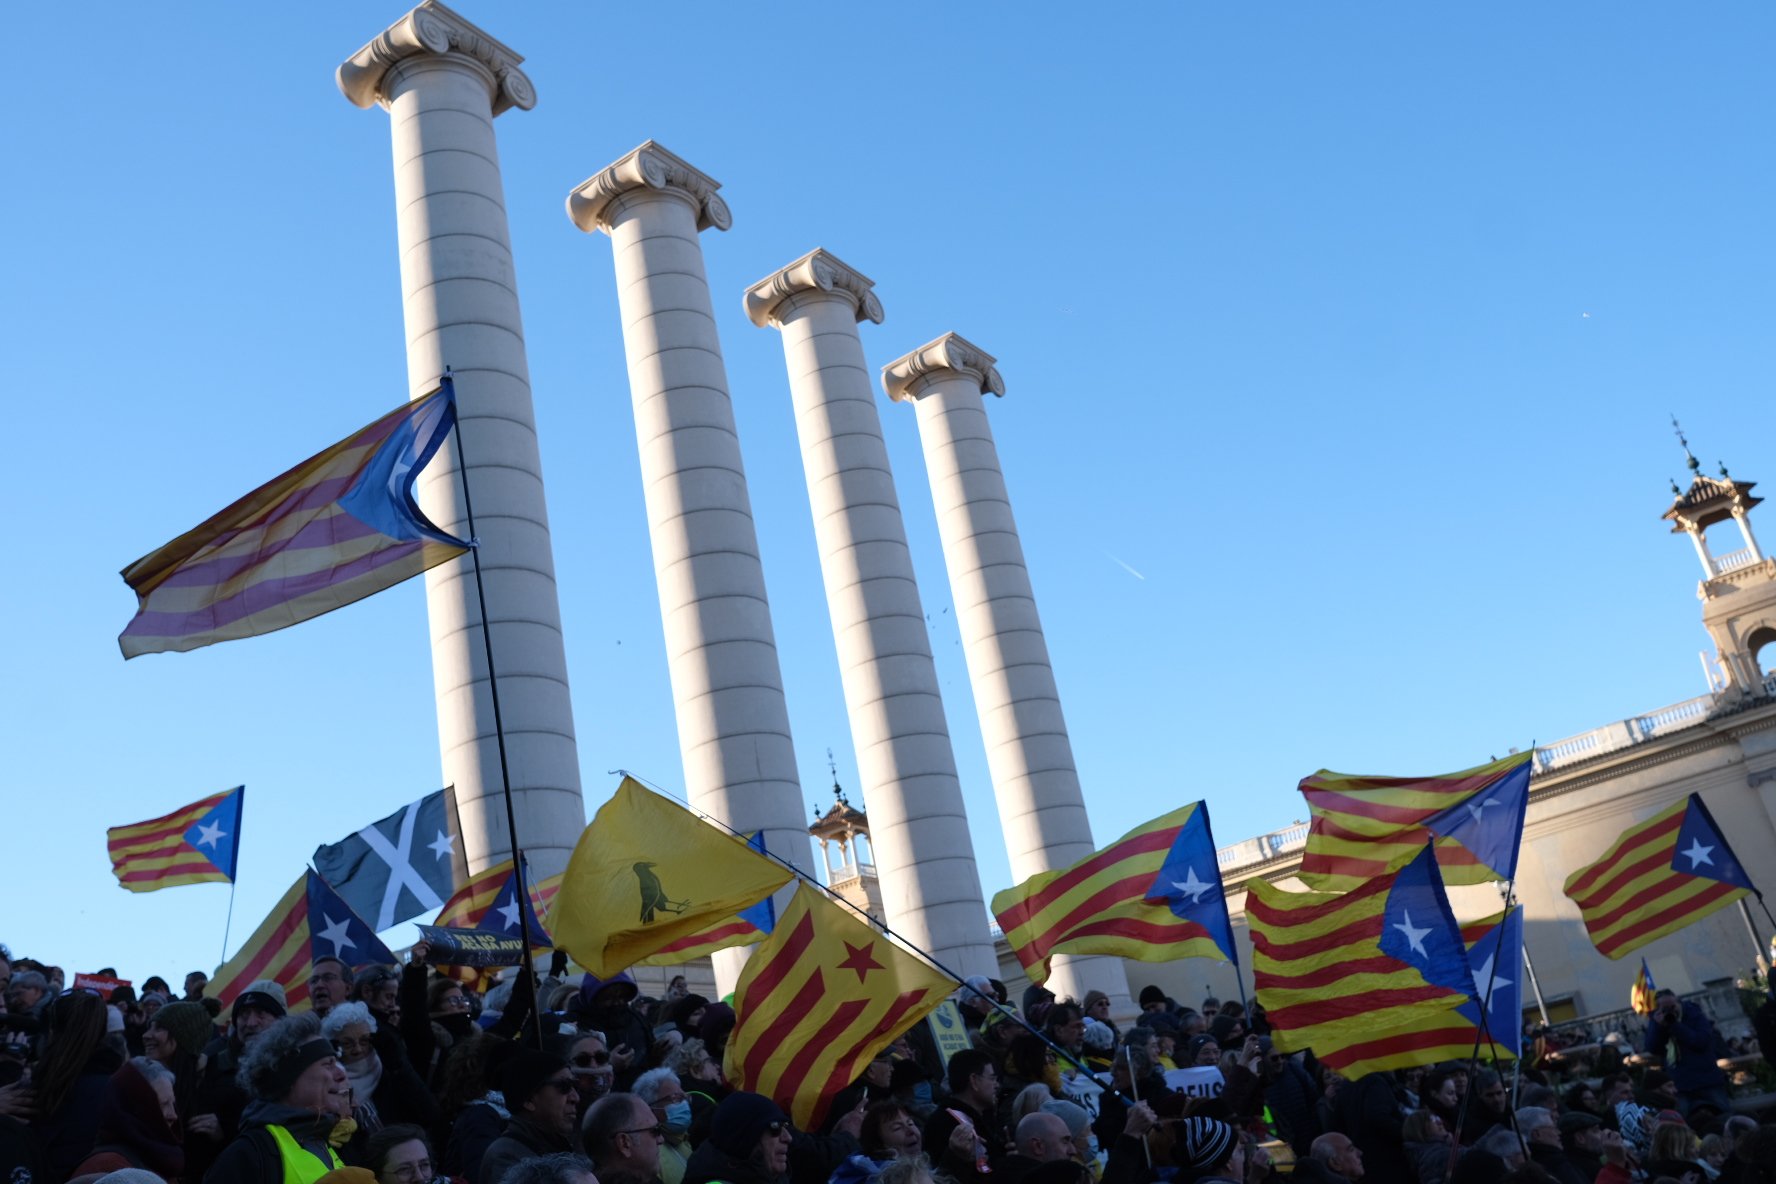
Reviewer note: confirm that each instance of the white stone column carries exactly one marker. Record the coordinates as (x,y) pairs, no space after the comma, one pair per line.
(918,825)
(1708,572)
(1029,756)
(442,81)
(727,688)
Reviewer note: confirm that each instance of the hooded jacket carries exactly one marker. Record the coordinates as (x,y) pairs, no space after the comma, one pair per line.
(253,1156)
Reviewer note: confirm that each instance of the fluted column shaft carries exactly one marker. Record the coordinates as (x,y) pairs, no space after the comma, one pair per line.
(918,824)
(1029,754)
(442,81)
(727,687)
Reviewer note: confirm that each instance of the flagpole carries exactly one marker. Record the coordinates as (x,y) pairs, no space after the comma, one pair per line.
(1003,1010)
(520,890)
(228,924)
(1483,1034)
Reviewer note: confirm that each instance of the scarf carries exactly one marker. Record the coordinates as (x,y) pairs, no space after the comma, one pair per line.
(364,1075)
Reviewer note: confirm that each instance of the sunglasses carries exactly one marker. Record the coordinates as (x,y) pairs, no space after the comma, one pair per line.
(776,1128)
(586,1060)
(562,1087)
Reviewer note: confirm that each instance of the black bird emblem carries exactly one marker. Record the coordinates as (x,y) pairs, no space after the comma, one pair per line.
(653,894)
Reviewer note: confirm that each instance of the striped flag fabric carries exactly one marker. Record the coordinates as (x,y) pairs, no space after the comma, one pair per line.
(1365,826)
(1673,869)
(749,926)
(1153,895)
(308,921)
(195,844)
(1335,972)
(1451,1035)
(1642,995)
(338,527)
(470,905)
(818,1000)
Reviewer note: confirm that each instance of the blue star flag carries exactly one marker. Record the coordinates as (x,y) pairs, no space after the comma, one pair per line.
(1702,849)
(1419,929)
(502,915)
(334,931)
(400,866)
(1490,824)
(1497,959)
(1189,882)
(763,915)
(216,835)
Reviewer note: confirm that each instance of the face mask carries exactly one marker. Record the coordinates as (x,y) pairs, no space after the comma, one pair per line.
(678,1115)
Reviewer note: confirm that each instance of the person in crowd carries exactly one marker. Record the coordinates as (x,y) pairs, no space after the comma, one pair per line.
(1332,1159)
(699,1072)
(1100,1045)
(138,1123)
(1065,1028)
(28,993)
(684,1014)
(1682,1035)
(1078,1120)
(1097,1007)
(400,1154)
(1202,1051)
(391,1088)
(1040,1138)
(329,984)
(748,1143)
(1210,1151)
(561,1168)
(299,1110)
(973,1101)
(1489,1106)
(1367,1111)
(69,1080)
(539,1092)
(470,1104)
(1426,1141)
(1676,1152)
(1540,1129)
(623,1138)
(1580,1097)
(664,1095)
(677,988)
(1290,1092)
(195,982)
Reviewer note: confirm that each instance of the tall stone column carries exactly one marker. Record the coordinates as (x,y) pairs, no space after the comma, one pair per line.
(727,688)
(442,81)
(918,824)
(1029,755)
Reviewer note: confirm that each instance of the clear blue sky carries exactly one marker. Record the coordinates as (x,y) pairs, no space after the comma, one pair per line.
(1352,329)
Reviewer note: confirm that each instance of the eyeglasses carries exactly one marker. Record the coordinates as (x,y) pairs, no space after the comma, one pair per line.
(657,1131)
(453,1003)
(563,1087)
(328,977)
(586,1060)
(776,1128)
(412,1171)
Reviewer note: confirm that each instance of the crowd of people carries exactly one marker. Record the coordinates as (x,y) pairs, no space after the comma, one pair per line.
(402,1075)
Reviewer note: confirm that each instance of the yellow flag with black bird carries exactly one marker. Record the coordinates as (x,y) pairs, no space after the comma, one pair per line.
(646,873)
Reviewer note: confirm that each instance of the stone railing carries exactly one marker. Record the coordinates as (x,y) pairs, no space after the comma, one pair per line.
(1623,733)
(1264,848)
(1720,1004)
(1734,560)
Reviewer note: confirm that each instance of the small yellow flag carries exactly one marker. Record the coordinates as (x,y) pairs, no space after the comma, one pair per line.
(823,995)
(646,873)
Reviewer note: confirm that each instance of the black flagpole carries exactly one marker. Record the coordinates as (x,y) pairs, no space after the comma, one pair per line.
(521,889)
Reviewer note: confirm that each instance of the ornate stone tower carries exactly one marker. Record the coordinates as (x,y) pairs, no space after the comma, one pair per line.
(1738,589)
(845,828)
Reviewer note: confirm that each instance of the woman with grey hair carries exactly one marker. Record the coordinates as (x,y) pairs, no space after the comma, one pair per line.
(383,1090)
(300,1108)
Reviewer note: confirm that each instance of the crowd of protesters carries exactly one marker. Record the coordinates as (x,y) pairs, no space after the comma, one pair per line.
(402,1075)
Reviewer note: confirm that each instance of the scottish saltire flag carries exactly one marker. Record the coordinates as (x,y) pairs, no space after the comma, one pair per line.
(400,866)
(308,922)
(338,527)
(195,844)
(747,927)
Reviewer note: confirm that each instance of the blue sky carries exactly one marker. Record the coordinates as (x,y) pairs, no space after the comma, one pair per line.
(1353,330)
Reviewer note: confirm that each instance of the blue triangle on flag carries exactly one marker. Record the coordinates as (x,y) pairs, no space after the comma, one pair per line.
(1702,850)
(334,931)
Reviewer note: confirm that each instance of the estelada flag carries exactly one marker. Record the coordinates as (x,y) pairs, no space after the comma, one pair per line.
(818,1000)
(646,873)
(1365,826)
(1154,895)
(308,922)
(195,844)
(1672,869)
(338,527)
(1641,995)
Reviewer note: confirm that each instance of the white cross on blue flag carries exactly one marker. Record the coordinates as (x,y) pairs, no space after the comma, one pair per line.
(400,866)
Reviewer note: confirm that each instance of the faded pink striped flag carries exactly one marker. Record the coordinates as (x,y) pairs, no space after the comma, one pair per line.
(338,527)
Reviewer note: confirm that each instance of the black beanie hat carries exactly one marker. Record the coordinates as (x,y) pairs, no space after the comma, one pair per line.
(1207,1142)
(1152,994)
(527,1072)
(740,1120)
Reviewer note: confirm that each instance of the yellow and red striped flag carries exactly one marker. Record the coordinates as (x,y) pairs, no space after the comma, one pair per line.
(818,1000)
(195,844)
(749,926)
(1364,826)
(1117,901)
(1336,972)
(1643,994)
(1672,869)
(468,905)
(307,920)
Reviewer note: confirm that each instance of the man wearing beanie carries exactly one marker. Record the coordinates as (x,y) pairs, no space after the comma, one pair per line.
(748,1143)
(1210,1150)
(1153,999)
(218,1093)
(539,1091)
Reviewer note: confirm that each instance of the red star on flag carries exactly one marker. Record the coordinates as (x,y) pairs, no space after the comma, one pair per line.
(860,960)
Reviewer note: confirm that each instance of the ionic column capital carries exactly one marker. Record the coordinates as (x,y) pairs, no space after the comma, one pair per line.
(817,271)
(950,356)
(650,166)
(436,30)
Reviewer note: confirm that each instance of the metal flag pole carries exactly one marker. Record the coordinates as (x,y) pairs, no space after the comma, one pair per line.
(1483,1035)
(229,923)
(520,888)
(873,923)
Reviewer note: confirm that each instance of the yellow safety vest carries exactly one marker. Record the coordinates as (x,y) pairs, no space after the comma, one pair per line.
(300,1164)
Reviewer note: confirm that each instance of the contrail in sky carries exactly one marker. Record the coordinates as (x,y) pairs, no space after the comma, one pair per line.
(1124,566)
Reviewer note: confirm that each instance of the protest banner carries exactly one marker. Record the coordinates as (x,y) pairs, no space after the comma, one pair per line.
(470,947)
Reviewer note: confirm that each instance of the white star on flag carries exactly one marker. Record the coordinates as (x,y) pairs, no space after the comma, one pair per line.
(1414,937)
(509,912)
(336,932)
(1191,886)
(1475,808)
(1698,854)
(210,835)
(1484,976)
(444,845)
